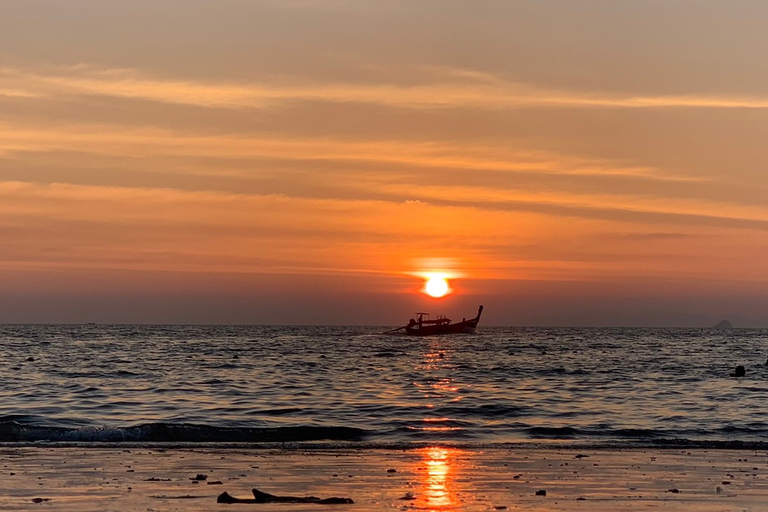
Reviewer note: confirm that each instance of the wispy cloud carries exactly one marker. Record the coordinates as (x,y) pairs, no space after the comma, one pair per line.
(142,142)
(386,178)
(457,89)
(561,202)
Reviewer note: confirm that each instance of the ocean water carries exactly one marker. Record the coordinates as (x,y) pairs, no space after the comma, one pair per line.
(269,385)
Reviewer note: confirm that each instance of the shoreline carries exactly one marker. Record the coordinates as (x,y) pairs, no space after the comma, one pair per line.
(83,479)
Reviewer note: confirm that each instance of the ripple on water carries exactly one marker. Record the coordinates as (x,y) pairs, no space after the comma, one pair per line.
(505,385)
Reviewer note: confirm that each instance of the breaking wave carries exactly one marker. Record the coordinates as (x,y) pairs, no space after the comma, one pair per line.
(12,431)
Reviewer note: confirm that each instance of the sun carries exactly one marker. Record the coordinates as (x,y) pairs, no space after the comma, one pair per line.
(437,286)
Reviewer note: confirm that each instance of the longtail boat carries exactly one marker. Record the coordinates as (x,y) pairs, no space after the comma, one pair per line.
(423,325)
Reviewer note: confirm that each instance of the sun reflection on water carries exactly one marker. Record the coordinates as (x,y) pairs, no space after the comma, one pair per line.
(437,470)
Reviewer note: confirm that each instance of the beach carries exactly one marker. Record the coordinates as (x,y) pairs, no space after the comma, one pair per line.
(117,478)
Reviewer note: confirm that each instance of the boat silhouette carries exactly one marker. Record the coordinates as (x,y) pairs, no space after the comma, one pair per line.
(423,325)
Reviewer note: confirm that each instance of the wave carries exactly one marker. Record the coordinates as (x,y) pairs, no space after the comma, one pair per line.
(13,431)
(448,433)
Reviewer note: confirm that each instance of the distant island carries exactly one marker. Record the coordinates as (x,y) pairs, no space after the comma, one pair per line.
(725,324)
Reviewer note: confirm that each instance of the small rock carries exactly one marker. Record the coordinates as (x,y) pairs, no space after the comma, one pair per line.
(541,492)
(40,500)
(675,491)
(391,471)
(200,477)
(216,482)
(740,371)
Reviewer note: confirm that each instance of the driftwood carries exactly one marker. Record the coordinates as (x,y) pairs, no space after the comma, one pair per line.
(264,497)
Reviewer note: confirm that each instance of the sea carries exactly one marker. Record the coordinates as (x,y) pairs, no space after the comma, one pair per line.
(301,386)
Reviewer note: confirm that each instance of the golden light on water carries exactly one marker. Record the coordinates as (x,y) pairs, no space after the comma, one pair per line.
(438,467)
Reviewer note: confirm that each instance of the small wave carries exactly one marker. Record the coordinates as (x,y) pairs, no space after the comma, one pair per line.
(442,432)
(637,433)
(276,412)
(12,431)
(596,432)
(389,353)
(554,432)
(752,430)
(710,444)
(484,411)
(126,373)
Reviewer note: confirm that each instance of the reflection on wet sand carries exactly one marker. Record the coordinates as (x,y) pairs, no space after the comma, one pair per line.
(437,479)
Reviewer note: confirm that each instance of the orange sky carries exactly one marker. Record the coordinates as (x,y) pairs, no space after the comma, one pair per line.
(299,161)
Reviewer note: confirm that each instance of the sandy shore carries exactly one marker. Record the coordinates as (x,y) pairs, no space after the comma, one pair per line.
(152,479)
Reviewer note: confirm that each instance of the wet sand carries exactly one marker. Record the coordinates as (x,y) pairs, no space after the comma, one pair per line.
(153,479)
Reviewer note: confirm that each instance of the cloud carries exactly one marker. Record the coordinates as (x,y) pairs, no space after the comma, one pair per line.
(334,204)
(62,226)
(148,141)
(455,89)
(394,171)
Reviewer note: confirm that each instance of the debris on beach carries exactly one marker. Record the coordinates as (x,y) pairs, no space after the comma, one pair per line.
(183,497)
(264,497)
(740,371)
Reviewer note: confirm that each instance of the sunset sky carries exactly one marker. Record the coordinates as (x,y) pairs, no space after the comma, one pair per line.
(308,162)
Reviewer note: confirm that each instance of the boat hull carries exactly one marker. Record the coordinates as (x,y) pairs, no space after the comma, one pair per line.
(463,327)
